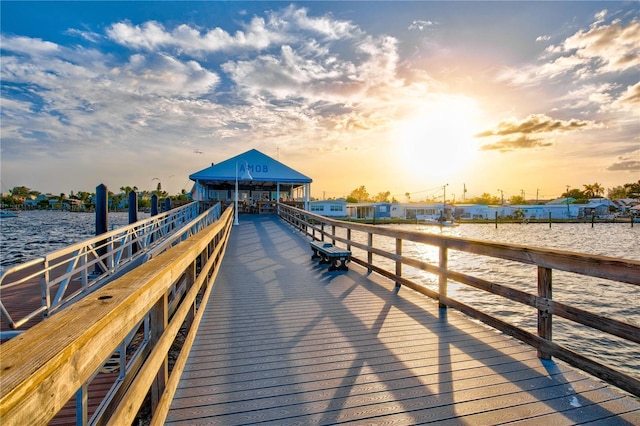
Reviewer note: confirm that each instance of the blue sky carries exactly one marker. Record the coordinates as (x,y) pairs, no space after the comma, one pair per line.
(396,96)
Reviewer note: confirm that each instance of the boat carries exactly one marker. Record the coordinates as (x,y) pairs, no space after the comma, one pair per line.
(437,221)
(4,213)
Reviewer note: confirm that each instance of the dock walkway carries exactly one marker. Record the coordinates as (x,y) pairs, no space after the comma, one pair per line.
(285,341)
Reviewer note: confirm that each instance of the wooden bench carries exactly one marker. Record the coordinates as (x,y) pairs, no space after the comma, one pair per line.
(330,255)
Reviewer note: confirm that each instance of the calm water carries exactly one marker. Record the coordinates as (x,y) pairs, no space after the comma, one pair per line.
(36,233)
(616,300)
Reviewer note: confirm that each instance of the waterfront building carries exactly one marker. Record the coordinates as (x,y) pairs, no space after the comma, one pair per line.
(329,208)
(258,177)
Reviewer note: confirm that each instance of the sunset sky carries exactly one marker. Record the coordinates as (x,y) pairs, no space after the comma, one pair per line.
(396,96)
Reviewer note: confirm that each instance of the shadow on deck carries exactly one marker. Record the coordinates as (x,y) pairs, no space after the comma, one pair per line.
(284,341)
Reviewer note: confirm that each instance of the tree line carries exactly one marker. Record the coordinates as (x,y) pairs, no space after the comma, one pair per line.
(588,191)
(17,195)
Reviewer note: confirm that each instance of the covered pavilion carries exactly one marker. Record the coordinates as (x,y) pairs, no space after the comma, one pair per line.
(260,178)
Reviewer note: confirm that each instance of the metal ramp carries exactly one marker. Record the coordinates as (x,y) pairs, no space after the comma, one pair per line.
(39,288)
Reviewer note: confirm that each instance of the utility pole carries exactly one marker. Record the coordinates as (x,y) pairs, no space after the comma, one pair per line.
(444,200)
(501,196)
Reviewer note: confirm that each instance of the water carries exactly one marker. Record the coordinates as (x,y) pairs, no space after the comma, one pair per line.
(36,233)
(612,299)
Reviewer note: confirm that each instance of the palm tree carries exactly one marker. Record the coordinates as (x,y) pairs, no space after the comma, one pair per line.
(593,191)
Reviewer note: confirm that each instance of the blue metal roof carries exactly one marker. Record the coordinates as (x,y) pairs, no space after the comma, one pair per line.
(261,167)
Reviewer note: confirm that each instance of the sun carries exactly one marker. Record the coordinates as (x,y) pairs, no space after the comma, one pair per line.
(437,140)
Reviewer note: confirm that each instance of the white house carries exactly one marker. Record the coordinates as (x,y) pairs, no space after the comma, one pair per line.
(329,208)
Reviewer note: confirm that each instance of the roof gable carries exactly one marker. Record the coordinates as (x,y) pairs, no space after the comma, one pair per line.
(261,167)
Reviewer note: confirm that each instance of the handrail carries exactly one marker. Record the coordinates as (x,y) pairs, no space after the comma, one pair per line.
(546,260)
(155,300)
(66,275)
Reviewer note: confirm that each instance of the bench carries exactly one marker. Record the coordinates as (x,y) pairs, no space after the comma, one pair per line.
(330,255)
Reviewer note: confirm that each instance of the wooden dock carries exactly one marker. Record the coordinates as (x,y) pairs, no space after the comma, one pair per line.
(284,341)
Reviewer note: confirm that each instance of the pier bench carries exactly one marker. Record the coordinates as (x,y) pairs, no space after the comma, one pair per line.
(330,255)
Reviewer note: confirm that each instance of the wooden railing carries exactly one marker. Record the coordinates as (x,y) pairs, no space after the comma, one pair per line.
(54,361)
(546,260)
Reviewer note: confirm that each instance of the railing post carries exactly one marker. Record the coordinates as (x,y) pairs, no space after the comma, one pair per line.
(82,405)
(369,252)
(398,261)
(442,277)
(544,313)
(191,274)
(322,231)
(159,320)
(333,235)
(348,238)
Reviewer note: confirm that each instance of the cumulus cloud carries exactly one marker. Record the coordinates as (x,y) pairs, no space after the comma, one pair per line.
(153,36)
(603,48)
(258,34)
(629,100)
(163,75)
(632,166)
(536,123)
(28,46)
(421,25)
(521,142)
(629,162)
(282,75)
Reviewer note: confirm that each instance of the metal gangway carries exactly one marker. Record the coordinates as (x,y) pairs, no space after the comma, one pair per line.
(65,276)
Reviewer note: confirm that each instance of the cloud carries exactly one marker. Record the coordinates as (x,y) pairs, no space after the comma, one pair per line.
(521,142)
(326,26)
(594,95)
(287,77)
(629,162)
(163,75)
(421,25)
(259,34)
(632,166)
(629,100)
(87,35)
(28,46)
(536,123)
(152,36)
(601,49)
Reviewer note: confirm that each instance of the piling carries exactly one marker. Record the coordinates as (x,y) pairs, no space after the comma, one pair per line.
(102,220)
(133,207)
(133,215)
(154,205)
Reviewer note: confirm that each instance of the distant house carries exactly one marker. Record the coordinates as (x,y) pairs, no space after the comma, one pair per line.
(473,211)
(369,210)
(329,208)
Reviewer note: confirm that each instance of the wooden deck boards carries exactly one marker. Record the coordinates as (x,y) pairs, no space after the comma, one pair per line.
(284,341)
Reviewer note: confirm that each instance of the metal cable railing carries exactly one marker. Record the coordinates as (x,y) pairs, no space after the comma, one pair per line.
(64,276)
